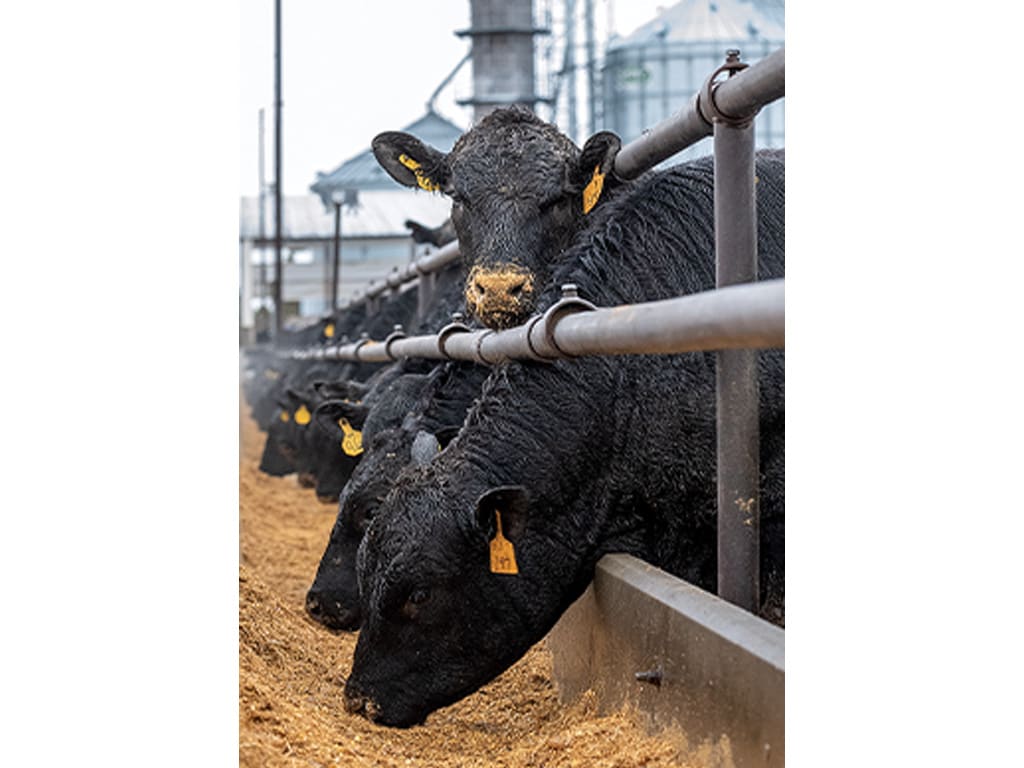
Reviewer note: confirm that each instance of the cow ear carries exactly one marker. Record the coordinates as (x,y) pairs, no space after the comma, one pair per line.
(409,161)
(339,390)
(511,502)
(328,416)
(298,402)
(595,164)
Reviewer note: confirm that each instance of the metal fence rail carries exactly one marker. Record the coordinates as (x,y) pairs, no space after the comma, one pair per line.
(744,316)
(740,96)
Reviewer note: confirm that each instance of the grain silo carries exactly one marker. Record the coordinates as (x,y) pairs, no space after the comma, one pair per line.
(655,71)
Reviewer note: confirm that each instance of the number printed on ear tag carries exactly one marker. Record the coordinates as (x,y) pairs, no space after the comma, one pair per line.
(503,554)
(352,442)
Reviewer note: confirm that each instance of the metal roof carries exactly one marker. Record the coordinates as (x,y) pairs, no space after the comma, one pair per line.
(710,20)
(363,172)
(377,214)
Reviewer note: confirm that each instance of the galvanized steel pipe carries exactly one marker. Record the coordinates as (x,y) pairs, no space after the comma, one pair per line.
(739,96)
(737,317)
(738,435)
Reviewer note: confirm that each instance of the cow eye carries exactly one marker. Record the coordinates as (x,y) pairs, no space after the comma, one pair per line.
(414,603)
(363,521)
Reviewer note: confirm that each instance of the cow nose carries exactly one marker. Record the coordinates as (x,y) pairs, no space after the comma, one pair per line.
(499,295)
(500,284)
(355,699)
(358,702)
(329,612)
(313,608)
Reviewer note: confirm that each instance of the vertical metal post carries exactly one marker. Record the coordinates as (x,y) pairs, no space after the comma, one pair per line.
(336,260)
(425,294)
(588,26)
(569,69)
(739,498)
(278,183)
(262,219)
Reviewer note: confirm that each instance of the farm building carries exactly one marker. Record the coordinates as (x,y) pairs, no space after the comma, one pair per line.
(374,239)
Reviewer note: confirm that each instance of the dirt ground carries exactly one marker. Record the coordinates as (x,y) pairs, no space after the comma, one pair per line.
(290,698)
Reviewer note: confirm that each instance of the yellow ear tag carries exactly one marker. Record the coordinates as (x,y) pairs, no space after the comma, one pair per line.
(352,442)
(421,178)
(329,331)
(302,416)
(593,189)
(271,374)
(285,417)
(503,554)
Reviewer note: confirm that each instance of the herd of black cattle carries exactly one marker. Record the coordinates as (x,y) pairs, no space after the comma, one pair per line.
(474,502)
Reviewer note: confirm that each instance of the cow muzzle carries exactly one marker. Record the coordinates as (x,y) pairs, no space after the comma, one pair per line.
(358,703)
(331,613)
(500,296)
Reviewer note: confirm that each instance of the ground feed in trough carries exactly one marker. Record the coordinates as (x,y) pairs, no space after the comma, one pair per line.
(290,701)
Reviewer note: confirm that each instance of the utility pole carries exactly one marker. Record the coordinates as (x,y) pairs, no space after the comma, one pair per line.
(262,203)
(337,197)
(588,22)
(278,183)
(569,69)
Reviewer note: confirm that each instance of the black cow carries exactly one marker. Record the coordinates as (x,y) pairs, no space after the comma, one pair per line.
(422,417)
(520,191)
(382,399)
(472,558)
(277,386)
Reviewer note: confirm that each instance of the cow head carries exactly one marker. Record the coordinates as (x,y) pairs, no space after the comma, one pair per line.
(336,445)
(333,598)
(438,623)
(520,190)
(395,438)
(278,454)
(283,452)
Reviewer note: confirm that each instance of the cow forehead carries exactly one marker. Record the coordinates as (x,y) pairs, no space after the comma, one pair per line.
(403,558)
(509,175)
(530,152)
(504,131)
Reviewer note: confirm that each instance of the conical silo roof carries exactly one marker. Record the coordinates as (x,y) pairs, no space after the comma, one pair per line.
(709,20)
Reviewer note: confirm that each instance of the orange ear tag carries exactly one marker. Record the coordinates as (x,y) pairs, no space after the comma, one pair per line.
(302,416)
(593,189)
(329,331)
(352,442)
(421,178)
(285,417)
(503,554)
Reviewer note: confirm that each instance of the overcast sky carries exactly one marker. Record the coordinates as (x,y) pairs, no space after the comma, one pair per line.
(353,69)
